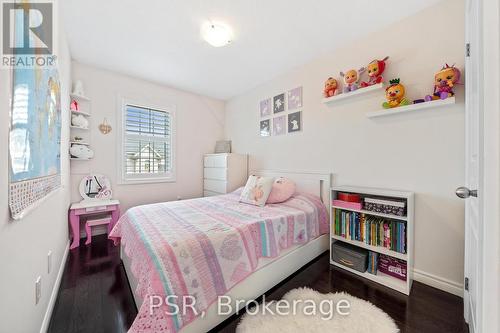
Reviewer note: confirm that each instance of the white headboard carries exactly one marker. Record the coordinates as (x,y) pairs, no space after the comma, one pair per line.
(309,182)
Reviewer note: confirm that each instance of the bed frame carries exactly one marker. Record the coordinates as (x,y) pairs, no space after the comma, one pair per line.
(268,275)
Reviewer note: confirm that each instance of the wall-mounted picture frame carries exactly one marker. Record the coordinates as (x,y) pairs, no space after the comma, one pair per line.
(265,127)
(265,108)
(279,125)
(279,103)
(294,98)
(295,122)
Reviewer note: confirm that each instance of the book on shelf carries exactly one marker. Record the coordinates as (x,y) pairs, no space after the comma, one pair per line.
(372,262)
(371,230)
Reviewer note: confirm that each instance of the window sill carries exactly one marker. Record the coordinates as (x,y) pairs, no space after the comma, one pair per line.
(146,181)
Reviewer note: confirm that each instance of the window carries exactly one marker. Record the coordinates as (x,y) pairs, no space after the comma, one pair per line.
(147,145)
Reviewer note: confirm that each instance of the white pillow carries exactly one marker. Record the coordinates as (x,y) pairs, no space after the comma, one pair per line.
(257,190)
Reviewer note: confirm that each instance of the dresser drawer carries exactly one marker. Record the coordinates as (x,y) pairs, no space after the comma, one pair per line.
(210,193)
(215,173)
(212,185)
(215,161)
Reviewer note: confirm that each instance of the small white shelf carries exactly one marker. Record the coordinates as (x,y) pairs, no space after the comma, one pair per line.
(412,107)
(79,143)
(378,249)
(359,91)
(79,128)
(384,279)
(79,159)
(368,212)
(86,114)
(80,97)
(381,278)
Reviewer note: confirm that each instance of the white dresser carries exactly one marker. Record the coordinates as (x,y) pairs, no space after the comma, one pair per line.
(223,173)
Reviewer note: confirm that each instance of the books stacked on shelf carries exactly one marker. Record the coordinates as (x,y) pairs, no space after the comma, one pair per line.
(372,230)
(372,262)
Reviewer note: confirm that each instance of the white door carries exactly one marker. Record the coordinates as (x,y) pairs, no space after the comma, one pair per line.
(471,191)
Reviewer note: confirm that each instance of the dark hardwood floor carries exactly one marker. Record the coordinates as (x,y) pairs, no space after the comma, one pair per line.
(95,296)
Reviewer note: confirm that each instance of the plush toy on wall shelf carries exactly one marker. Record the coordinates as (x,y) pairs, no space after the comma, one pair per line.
(331,86)
(444,82)
(73,106)
(351,78)
(375,70)
(81,151)
(395,95)
(79,121)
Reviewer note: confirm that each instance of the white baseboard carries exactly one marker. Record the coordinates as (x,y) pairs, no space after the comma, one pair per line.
(55,291)
(438,282)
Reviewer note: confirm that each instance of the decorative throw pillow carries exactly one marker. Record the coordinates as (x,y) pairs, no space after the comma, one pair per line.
(283,189)
(256,190)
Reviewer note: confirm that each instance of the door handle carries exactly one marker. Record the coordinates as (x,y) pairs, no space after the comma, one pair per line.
(464,192)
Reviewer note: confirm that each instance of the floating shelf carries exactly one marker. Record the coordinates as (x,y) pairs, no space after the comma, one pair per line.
(79,159)
(359,91)
(412,107)
(80,97)
(80,128)
(378,249)
(368,212)
(79,143)
(86,114)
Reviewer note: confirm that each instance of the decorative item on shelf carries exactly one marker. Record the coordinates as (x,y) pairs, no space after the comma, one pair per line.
(444,82)
(104,127)
(395,95)
(375,70)
(78,88)
(223,147)
(73,106)
(77,139)
(79,121)
(95,187)
(330,89)
(81,151)
(351,78)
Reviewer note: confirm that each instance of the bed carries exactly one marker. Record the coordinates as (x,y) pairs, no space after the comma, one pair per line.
(215,246)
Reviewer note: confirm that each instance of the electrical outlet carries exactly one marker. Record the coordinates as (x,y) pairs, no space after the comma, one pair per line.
(49,262)
(38,289)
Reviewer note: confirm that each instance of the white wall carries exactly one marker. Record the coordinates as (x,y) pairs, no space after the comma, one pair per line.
(199,124)
(421,152)
(24,244)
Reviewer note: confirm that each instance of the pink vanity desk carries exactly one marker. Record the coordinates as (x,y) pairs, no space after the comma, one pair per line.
(88,208)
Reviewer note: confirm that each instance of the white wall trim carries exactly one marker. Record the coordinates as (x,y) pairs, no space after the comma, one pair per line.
(438,282)
(55,292)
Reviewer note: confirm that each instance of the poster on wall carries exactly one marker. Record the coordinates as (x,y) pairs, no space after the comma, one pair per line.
(35,134)
(265,108)
(265,127)
(279,125)
(295,122)
(295,98)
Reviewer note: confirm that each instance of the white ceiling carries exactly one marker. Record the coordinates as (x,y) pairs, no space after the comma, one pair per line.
(159,40)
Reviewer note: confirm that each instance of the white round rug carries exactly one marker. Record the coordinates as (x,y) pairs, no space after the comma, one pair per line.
(363,316)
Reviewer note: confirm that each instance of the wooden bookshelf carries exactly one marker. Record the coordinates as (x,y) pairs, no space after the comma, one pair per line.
(381,278)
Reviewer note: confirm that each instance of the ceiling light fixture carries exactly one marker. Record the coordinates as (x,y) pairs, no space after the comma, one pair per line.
(216,34)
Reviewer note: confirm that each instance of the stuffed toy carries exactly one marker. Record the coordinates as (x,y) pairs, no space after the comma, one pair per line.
(351,78)
(79,121)
(444,82)
(395,95)
(375,70)
(74,106)
(330,87)
(81,151)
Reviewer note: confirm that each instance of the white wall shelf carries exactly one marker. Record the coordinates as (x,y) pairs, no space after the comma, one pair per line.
(80,97)
(381,278)
(79,159)
(412,107)
(79,143)
(79,128)
(86,114)
(353,94)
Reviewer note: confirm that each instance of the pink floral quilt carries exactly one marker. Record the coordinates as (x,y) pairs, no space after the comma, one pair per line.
(204,247)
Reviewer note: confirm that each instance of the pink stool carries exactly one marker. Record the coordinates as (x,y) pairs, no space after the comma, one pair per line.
(92,223)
